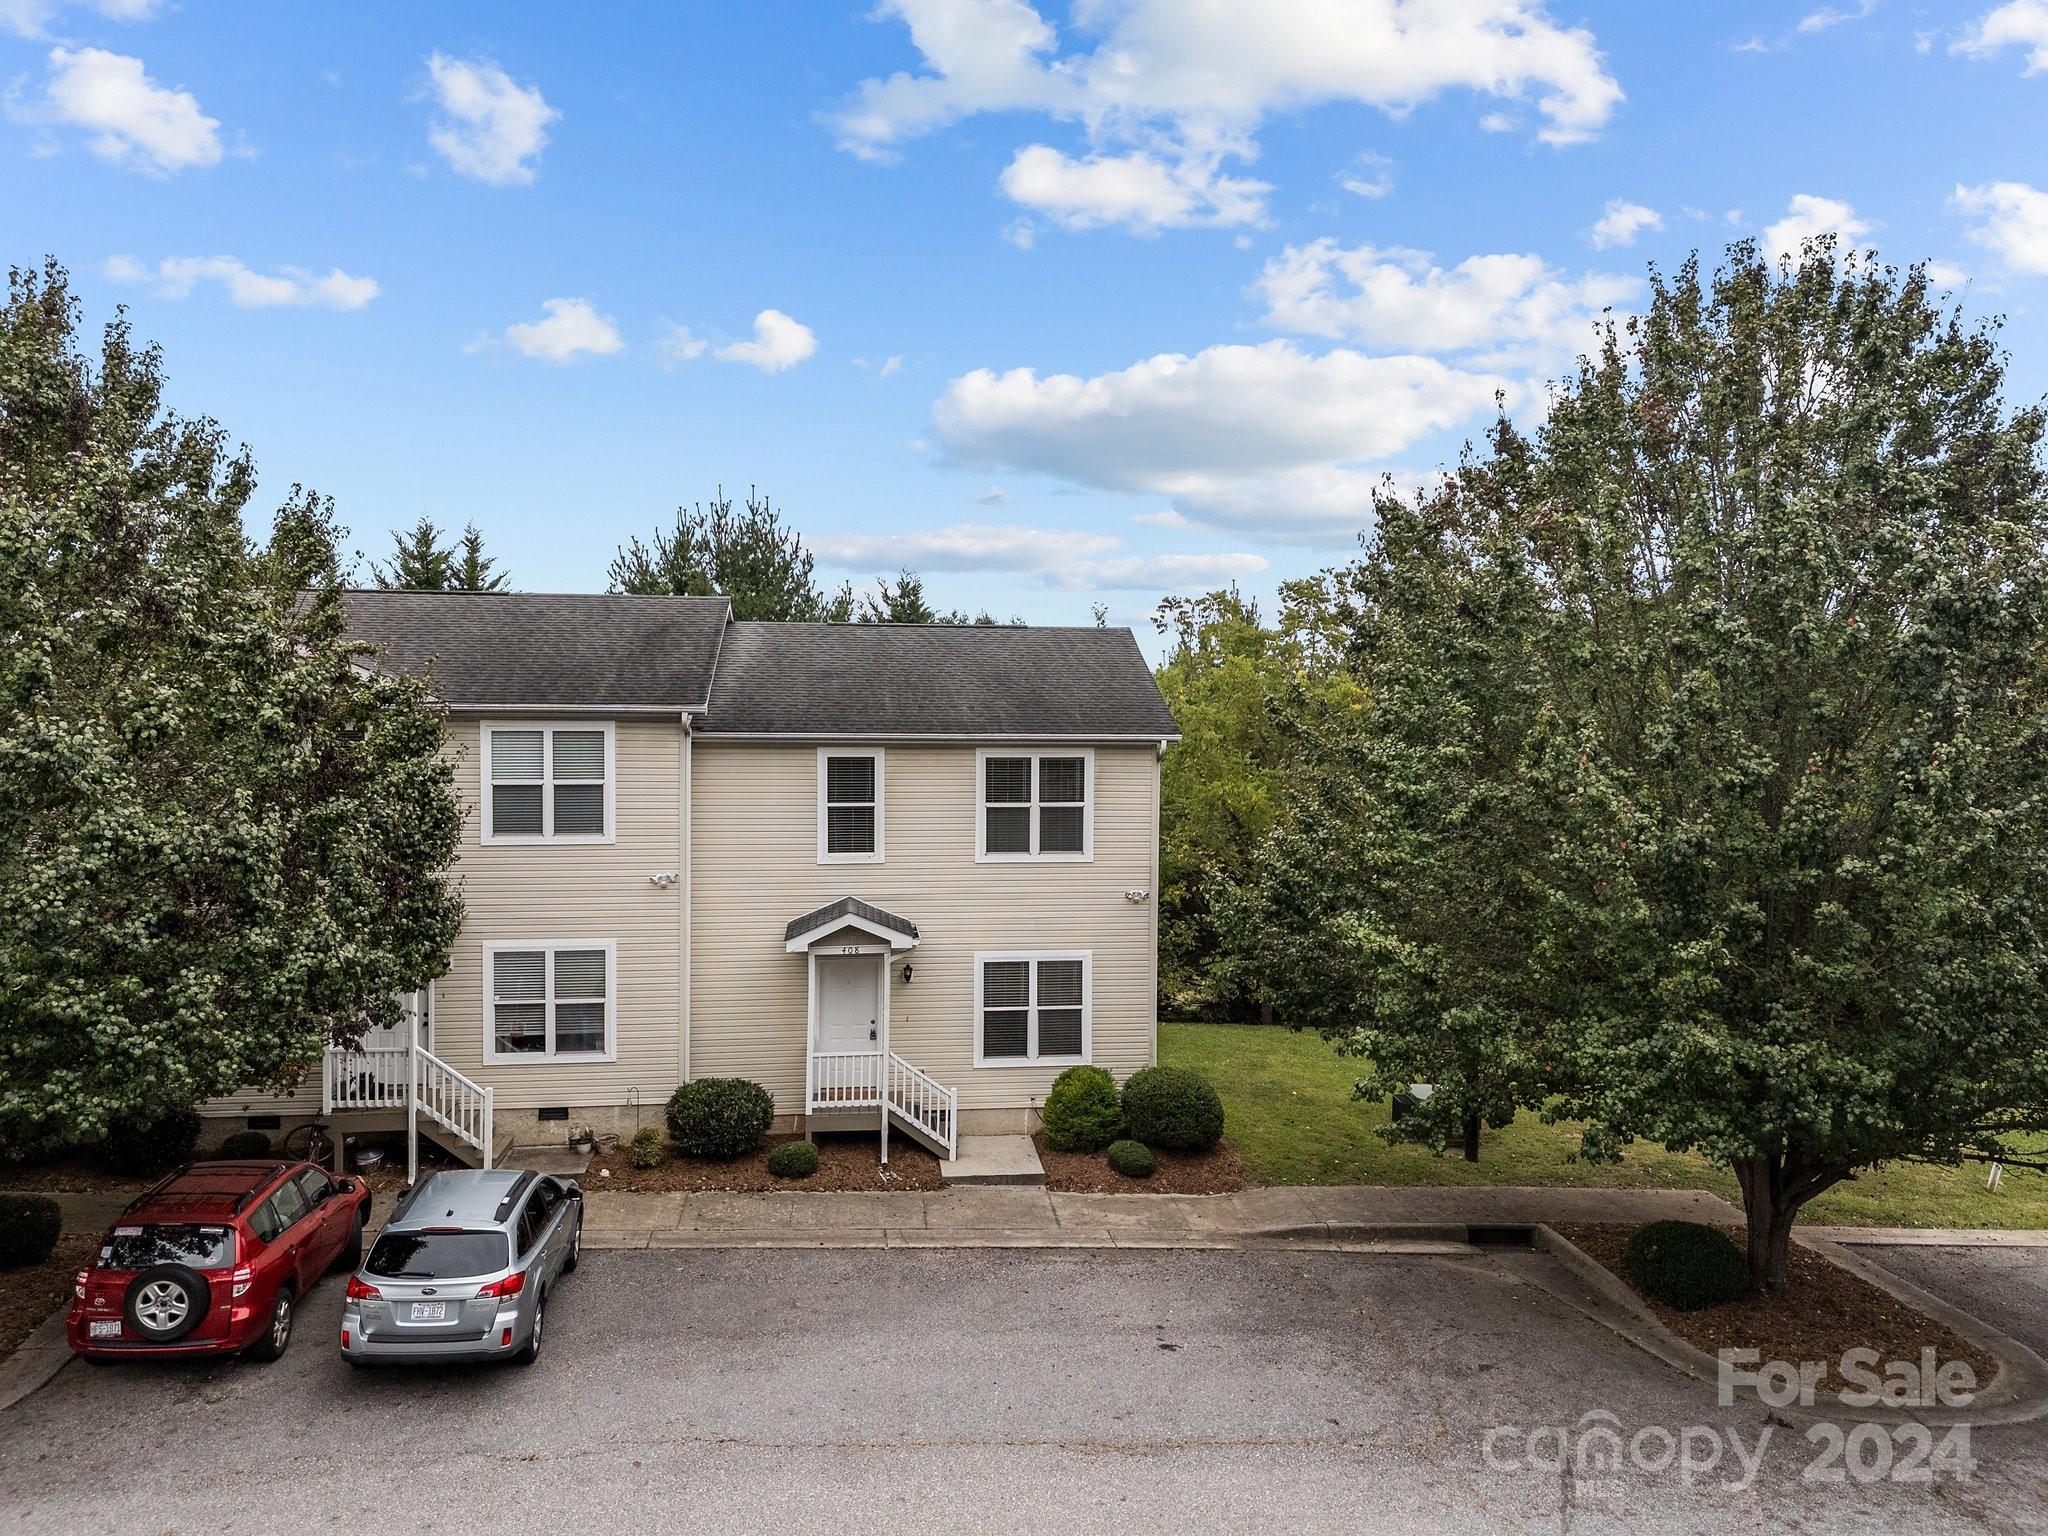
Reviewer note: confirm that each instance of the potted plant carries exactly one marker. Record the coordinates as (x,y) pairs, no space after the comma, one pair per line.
(582,1138)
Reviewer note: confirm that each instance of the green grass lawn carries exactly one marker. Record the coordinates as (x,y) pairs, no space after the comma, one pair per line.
(1288,1108)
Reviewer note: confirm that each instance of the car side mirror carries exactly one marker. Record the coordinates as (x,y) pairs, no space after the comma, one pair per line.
(345,1186)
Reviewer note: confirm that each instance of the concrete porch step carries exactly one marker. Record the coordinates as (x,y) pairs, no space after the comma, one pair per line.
(552,1158)
(993,1160)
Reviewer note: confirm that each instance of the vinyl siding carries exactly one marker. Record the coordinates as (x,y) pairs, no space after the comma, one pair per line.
(754,866)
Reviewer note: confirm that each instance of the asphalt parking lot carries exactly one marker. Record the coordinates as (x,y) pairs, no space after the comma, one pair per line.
(1069,1391)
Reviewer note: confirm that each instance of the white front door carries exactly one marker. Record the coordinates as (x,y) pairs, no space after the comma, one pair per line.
(849,1002)
(414,1007)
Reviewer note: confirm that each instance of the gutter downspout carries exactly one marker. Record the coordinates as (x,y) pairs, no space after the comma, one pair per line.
(683,813)
(1158,766)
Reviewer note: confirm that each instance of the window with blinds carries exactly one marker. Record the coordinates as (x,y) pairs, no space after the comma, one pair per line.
(849,807)
(1035,806)
(550,1001)
(547,783)
(1031,1008)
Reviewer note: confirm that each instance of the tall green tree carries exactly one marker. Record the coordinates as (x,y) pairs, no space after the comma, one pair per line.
(1788,549)
(423,561)
(747,556)
(221,844)
(1237,689)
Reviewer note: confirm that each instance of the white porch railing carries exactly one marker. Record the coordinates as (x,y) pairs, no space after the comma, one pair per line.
(377,1079)
(858,1080)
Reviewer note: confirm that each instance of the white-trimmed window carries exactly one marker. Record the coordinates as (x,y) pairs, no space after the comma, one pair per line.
(548,783)
(1034,805)
(850,812)
(1033,1008)
(554,1001)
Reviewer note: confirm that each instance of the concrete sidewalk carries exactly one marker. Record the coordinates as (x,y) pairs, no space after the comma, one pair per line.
(1038,1218)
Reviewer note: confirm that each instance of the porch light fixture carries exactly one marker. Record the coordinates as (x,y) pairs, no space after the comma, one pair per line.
(664,880)
(906,973)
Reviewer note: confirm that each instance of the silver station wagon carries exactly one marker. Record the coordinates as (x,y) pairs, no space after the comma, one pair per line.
(464,1269)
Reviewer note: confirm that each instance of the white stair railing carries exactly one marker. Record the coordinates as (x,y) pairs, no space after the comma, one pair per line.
(363,1079)
(354,1078)
(924,1102)
(845,1080)
(459,1104)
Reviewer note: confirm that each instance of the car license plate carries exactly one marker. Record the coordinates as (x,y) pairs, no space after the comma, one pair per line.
(110,1329)
(429,1311)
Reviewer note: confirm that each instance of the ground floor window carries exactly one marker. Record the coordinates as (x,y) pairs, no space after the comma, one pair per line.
(551,1001)
(1031,1008)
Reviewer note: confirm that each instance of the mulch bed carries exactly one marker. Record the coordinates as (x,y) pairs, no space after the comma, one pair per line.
(69,1175)
(1822,1314)
(27,1296)
(1218,1171)
(847,1160)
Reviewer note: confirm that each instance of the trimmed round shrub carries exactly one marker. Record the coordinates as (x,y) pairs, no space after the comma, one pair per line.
(793,1160)
(1172,1108)
(29,1225)
(1132,1159)
(245,1144)
(151,1146)
(1082,1112)
(719,1117)
(1686,1265)
(646,1148)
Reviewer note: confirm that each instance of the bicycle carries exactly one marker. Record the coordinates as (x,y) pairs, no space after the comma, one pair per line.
(310,1143)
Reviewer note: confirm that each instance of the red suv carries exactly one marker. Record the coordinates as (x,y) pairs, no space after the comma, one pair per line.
(212,1259)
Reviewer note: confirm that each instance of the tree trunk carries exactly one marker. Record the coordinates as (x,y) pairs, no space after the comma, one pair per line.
(1265,1010)
(1471,1138)
(1773,1190)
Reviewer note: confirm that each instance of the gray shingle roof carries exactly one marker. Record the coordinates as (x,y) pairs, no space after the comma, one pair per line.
(933,680)
(834,912)
(520,648)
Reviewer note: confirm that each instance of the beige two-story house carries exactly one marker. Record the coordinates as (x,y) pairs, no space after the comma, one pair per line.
(902,871)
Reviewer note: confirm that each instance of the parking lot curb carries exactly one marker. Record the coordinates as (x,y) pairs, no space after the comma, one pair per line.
(36,1359)
(1328,1237)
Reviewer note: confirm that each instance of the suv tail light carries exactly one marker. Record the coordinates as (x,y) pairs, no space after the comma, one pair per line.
(78,1285)
(243,1278)
(358,1291)
(511,1285)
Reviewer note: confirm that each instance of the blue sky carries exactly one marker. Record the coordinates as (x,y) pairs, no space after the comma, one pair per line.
(1058,305)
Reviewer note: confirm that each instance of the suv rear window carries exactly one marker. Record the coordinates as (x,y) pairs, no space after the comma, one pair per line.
(437,1255)
(195,1246)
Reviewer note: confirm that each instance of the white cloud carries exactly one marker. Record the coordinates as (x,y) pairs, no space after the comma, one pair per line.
(1166,92)
(1497,122)
(2018,24)
(1507,310)
(1807,218)
(288,287)
(890,365)
(779,342)
(1621,221)
(572,329)
(1137,190)
(1833,16)
(1370,175)
(31,18)
(1947,274)
(130,120)
(1264,438)
(1021,233)
(675,344)
(1053,557)
(1165,517)
(495,128)
(2015,222)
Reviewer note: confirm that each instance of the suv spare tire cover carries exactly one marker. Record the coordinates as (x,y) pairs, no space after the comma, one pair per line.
(197,1296)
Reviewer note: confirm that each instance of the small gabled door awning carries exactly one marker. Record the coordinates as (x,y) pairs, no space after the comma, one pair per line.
(849,912)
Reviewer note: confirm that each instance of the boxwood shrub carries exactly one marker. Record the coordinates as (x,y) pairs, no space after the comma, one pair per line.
(793,1160)
(646,1148)
(29,1225)
(1172,1108)
(1082,1112)
(719,1117)
(1132,1159)
(245,1144)
(1686,1265)
(140,1146)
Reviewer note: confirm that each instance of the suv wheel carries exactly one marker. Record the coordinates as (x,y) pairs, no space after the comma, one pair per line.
(166,1302)
(531,1353)
(274,1338)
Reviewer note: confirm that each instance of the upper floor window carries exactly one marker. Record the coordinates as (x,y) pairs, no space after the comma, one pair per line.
(849,807)
(1035,805)
(548,783)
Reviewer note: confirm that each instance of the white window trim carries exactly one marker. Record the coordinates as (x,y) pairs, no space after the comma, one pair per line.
(825,856)
(492,837)
(981,806)
(611,1002)
(1031,1058)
